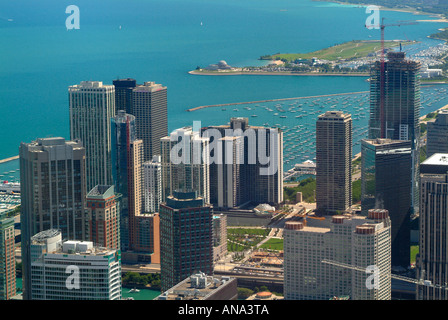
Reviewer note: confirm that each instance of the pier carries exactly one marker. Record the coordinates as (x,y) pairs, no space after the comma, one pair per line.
(274,100)
(9,159)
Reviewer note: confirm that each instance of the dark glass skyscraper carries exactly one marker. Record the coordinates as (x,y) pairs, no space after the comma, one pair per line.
(123,94)
(386,184)
(186,238)
(395,109)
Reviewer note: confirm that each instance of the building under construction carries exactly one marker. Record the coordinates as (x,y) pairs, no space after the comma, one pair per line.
(395,105)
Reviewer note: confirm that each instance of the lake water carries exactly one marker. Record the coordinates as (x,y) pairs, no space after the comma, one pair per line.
(161,40)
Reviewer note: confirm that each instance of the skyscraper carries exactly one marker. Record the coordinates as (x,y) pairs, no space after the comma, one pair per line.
(92,105)
(386,181)
(53,192)
(395,106)
(186,237)
(54,263)
(152,180)
(127,153)
(190,170)
(149,106)
(437,135)
(333,162)
(432,259)
(7,257)
(102,217)
(123,94)
(247,164)
(352,240)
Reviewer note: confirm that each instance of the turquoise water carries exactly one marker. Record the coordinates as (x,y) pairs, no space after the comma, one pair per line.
(160,40)
(144,294)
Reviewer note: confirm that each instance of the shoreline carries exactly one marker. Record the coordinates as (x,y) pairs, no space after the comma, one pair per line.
(9,159)
(280,73)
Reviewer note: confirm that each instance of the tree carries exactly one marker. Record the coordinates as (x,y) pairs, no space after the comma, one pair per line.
(244,293)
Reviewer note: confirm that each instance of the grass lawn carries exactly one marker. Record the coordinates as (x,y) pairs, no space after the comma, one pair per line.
(414,251)
(273,244)
(351,49)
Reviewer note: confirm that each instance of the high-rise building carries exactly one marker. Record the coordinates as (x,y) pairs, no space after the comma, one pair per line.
(53,192)
(92,105)
(7,257)
(219,236)
(127,153)
(333,163)
(73,270)
(190,170)
(247,164)
(395,106)
(149,106)
(432,259)
(437,134)
(357,241)
(386,181)
(102,217)
(186,238)
(152,184)
(123,94)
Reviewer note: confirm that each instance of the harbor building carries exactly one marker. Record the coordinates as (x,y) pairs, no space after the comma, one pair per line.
(437,134)
(333,163)
(186,237)
(73,270)
(7,256)
(92,105)
(53,192)
(432,258)
(386,182)
(356,241)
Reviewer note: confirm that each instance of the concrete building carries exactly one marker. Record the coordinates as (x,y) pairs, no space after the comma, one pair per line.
(432,259)
(152,184)
(353,240)
(437,134)
(73,270)
(186,238)
(149,106)
(247,164)
(53,192)
(190,171)
(92,105)
(7,257)
(386,182)
(333,163)
(219,236)
(200,286)
(395,106)
(103,217)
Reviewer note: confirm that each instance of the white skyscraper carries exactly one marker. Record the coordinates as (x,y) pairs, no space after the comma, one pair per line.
(185,164)
(152,184)
(92,105)
(73,270)
(353,240)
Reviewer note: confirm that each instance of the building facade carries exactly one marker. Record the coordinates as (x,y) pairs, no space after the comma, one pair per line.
(219,236)
(437,134)
(356,241)
(186,238)
(92,105)
(432,259)
(53,192)
(103,217)
(7,257)
(333,163)
(386,183)
(152,180)
(73,270)
(123,94)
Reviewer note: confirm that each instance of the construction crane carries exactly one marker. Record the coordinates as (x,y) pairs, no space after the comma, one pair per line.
(394,276)
(382,26)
